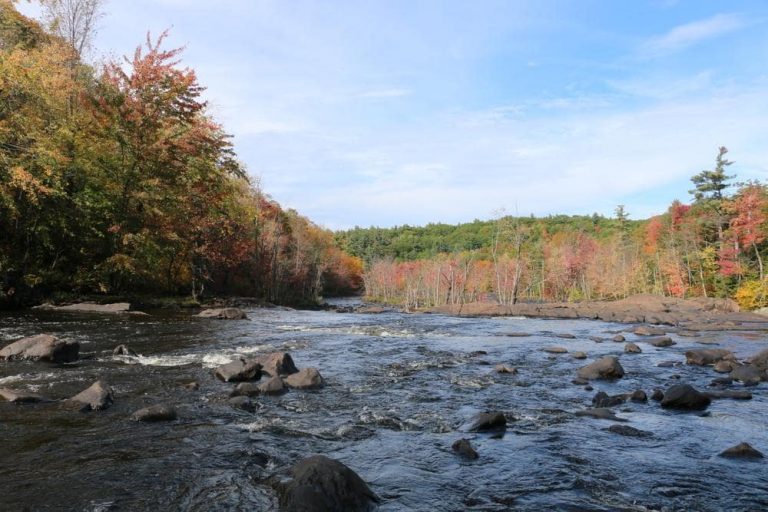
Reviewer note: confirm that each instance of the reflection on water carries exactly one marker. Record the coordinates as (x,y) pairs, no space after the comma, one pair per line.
(400,388)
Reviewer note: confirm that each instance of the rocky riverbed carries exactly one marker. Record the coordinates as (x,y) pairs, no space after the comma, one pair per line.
(409,412)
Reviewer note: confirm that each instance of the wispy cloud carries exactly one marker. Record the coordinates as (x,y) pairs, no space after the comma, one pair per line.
(690,34)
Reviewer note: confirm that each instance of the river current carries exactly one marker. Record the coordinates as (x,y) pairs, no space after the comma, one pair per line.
(400,389)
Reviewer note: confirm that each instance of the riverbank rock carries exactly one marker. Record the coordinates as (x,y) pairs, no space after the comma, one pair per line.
(321,484)
(741,451)
(154,413)
(89,307)
(223,314)
(607,367)
(21,397)
(97,397)
(663,341)
(631,348)
(123,350)
(707,356)
(748,375)
(238,371)
(306,378)
(42,347)
(684,396)
(277,364)
(464,448)
(488,421)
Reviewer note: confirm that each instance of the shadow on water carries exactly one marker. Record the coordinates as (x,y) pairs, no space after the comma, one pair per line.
(400,389)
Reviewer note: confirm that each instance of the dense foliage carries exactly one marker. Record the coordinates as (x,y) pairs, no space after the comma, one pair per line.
(118,181)
(714,247)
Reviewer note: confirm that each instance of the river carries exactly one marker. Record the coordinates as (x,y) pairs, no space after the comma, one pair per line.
(400,389)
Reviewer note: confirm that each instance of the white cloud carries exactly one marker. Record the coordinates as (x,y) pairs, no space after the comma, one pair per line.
(689,34)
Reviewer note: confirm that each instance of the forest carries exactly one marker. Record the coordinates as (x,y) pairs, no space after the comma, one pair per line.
(713,247)
(115,180)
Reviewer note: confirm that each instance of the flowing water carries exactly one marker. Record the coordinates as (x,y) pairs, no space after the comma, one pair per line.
(400,390)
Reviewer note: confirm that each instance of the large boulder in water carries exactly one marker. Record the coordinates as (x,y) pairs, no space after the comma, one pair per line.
(277,364)
(97,397)
(223,314)
(42,347)
(684,396)
(240,370)
(306,378)
(707,356)
(607,367)
(748,375)
(321,484)
(741,451)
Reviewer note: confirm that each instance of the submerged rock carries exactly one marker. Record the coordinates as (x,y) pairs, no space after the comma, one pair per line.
(96,398)
(600,413)
(241,370)
(734,394)
(626,430)
(741,451)
(500,368)
(603,400)
(306,378)
(153,413)
(579,355)
(192,386)
(555,350)
(488,421)
(21,397)
(645,330)
(607,367)
(223,314)
(42,347)
(565,335)
(123,350)
(243,403)
(277,364)
(657,395)
(464,448)
(631,348)
(684,396)
(321,484)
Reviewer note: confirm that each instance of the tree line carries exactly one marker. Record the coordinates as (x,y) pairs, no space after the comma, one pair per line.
(713,247)
(115,179)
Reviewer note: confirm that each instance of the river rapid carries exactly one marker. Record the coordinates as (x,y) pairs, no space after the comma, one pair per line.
(400,389)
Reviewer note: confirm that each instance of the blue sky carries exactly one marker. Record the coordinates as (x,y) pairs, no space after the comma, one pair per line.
(408,112)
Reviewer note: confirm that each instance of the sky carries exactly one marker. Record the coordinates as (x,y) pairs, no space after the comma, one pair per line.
(359,113)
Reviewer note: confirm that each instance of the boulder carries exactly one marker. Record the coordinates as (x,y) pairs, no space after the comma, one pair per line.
(272,387)
(223,314)
(602,400)
(464,448)
(760,359)
(721,382)
(607,367)
(684,396)
(42,347)
(645,330)
(657,395)
(579,355)
(277,364)
(96,398)
(306,378)
(626,430)
(730,393)
(631,348)
(619,338)
(123,350)
(638,396)
(321,484)
(555,350)
(488,421)
(725,366)
(565,336)
(741,451)
(500,368)
(663,341)
(748,375)
(240,370)
(21,397)
(153,413)
(246,389)
(597,339)
(90,307)
(707,356)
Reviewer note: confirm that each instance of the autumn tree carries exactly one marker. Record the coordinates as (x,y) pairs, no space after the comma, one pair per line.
(74,21)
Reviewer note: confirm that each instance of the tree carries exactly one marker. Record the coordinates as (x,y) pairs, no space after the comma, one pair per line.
(74,21)
(711,183)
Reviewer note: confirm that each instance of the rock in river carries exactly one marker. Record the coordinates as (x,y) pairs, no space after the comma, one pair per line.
(626,430)
(20,397)
(306,378)
(502,368)
(631,348)
(488,421)
(707,356)
(321,484)
(154,413)
(272,387)
(663,341)
(748,375)
(741,451)
(123,350)
(277,364)
(42,347)
(464,448)
(607,367)
(684,396)
(600,413)
(555,350)
(240,370)
(223,314)
(96,398)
